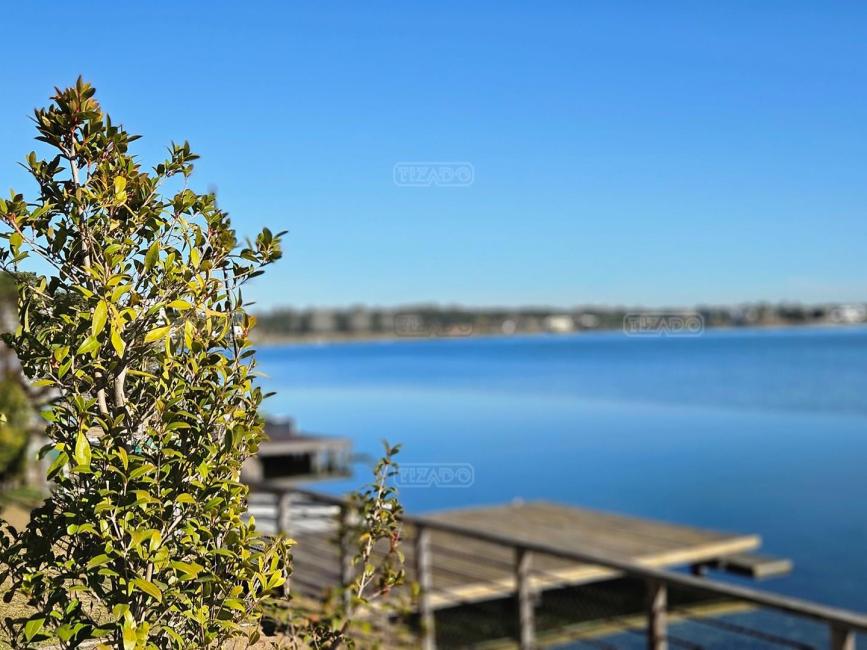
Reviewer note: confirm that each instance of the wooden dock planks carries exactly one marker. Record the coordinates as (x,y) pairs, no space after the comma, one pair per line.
(466,570)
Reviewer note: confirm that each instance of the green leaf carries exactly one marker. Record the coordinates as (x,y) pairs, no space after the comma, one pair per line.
(142,498)
(157,333)
(117,342)
(118,292)
(190,570)
(99,560)
(124,457)
(130,639)
(60,353)
(33,627)
(152,255)
(149,588)
(119,184)
(180,305)
(138,472)
(81,455)
(90,344)
(234,603)
(100,314)
(58,464)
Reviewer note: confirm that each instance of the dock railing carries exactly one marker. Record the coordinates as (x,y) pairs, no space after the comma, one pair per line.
(525,580)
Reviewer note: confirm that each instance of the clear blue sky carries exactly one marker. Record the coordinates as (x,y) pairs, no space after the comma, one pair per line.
(624,152)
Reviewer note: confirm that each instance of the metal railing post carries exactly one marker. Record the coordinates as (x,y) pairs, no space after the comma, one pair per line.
(346,573)
(526,614)
(842,638)
(657,624)
(424,579)
(284,502)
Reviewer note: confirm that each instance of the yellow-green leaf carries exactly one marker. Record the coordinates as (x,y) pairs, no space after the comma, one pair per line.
(140,471)
(157,333)
(189,569)
(60,353)
(130,639)
(89,345)
(119,184)
(234,603)
(58,464)
(149,588)
(33,627)
(180,305)
(100,314)
(119,291)
(152,255)
(99,560)
(117,342)
(81,455)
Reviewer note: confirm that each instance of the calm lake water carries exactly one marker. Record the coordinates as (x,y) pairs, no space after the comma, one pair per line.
(752,431)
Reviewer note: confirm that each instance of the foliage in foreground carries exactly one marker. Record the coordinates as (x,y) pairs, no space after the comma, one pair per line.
(140,328)
(370,533)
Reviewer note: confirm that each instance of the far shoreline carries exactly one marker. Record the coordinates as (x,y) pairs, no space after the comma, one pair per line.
(271,340)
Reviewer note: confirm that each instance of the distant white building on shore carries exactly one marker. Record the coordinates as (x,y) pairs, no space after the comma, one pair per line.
(559,323)
(847,314)
(323,321)
(360,320)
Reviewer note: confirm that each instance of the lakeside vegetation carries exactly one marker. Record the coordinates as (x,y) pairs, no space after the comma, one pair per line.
(134,322)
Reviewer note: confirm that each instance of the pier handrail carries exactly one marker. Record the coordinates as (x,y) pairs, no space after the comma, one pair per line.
(842,621)
(843,617)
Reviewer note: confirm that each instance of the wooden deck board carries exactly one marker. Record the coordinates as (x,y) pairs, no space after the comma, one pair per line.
(469,570)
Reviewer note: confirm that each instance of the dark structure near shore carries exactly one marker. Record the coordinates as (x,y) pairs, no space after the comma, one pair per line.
(292,455)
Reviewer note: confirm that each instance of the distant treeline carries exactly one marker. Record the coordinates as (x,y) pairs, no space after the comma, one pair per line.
(431,320)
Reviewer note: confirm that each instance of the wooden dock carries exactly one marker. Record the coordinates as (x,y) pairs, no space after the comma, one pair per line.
(524,554)
(571,529)
(468,569)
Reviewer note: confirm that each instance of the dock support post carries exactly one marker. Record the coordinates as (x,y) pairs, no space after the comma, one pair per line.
(424,578)
(842,638)
(526,618)
(657,603)
(284,502)
(345,525)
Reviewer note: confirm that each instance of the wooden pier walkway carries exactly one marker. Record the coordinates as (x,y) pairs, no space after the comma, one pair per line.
(468,569)
(477,557)
(571,529)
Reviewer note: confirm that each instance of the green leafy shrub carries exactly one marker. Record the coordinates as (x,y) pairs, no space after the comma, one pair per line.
(140,328)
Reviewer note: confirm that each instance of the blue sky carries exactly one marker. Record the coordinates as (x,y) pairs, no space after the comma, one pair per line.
(624,152)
